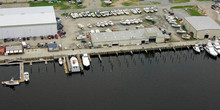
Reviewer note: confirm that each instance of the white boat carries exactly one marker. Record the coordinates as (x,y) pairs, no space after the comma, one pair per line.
(12,82)
(74,64)
(26,76)
(196,48)
(210,49)
(181,31)
(60,61)
(176,25)
(85,60)
(149,18)
(217,46)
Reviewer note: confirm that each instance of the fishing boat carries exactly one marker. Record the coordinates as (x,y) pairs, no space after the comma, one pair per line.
(12,82)
(60,61)
(26,76)
(217,46)
(196,48)
(210,49)
(74,64)
(85,60)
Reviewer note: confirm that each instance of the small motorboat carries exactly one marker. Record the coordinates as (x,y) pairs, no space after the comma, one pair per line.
(210,49)
(12,82)
(196,48)
(60,61)
(26,76)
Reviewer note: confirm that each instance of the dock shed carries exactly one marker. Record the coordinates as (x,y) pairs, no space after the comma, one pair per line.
(27,21)
(14,49)
(128,37)
(53,47)
(202,27)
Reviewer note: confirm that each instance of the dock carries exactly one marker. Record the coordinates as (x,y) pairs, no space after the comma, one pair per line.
(21,80)
(68,62)
(65,66)
(80,62)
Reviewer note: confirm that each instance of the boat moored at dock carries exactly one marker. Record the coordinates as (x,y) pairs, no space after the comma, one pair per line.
(85,60)
(60,61)
(26,77)
(217,46)
(196,48)
(210,49)
(74,64)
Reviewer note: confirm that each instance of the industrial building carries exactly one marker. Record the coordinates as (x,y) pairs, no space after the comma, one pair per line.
(27,21)
(128,37)
(202,27)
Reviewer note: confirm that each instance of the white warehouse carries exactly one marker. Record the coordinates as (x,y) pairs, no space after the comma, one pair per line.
(27,21)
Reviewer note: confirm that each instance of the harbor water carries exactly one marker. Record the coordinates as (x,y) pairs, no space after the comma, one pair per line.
(169,80)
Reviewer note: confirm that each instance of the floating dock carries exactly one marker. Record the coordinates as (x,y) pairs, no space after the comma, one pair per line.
(21,80)
(65,65)
(80,62)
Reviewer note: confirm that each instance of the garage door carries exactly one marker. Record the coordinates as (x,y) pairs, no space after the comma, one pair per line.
(152,39)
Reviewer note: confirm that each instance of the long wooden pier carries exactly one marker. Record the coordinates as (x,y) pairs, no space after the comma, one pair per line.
(80,62)
(65,66)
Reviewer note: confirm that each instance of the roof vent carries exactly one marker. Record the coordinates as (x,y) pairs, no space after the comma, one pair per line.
(22,13)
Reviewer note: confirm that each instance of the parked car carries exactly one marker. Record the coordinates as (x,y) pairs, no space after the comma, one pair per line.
(34,37)
(56,36)
(28,38)
(38,45)
(59,26)
(58,20)
(24,39)
(49,37)
(42,37)
(52,36)
(5,40)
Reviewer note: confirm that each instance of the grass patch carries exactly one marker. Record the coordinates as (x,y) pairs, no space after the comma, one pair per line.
(64,14)
(179,1)
(104,5)
(64,5)
(192,10)
(127,3)
(136,3)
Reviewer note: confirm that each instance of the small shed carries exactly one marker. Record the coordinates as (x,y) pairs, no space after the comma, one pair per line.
(14,49)
(53,47)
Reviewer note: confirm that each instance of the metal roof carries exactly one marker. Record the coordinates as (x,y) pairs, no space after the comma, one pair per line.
(27,16)
(125,35)
(118,35)
(202,22)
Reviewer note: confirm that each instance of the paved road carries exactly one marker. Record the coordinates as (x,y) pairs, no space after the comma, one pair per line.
(40,53)
(129,7)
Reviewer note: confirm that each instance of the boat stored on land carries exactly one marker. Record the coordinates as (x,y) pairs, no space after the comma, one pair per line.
(74,64)
(210,49)
(85,60)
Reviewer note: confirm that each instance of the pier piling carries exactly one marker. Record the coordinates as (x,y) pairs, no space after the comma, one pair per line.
(100,57)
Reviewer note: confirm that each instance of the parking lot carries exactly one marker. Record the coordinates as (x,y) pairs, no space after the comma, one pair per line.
(71,28)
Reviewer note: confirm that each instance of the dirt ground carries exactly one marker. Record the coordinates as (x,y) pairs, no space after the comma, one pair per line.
(14,5)
(119,3)
(210,12)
